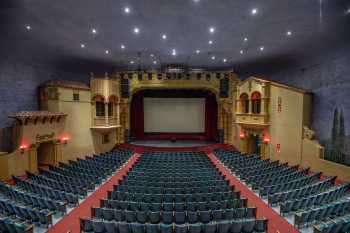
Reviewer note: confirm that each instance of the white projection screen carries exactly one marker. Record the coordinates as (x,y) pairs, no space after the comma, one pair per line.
(174,115)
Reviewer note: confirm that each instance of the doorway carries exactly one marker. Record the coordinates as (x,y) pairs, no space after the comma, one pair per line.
(46,154)
(254,143)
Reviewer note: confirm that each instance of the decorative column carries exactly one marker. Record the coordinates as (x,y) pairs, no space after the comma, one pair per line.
(57,151)
(32,158)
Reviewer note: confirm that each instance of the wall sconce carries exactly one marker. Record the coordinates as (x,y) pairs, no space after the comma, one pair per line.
(23,147)
(65,140)
(241,135)
(266,139)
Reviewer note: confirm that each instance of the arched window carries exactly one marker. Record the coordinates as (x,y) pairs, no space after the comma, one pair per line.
(112,101)
(256,102)
(100,105)
(244,103)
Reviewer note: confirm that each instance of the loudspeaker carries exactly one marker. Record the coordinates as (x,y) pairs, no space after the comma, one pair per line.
(224,87)
(124,88)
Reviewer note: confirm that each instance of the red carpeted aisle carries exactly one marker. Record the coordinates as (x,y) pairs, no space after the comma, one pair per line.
(276,223)
(70,223)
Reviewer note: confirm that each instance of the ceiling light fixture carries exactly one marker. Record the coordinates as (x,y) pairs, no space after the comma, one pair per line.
(348,11)
(136,30)
(289,33)
(28,27)
(164,37)
(211,30)
(122,46)
(210,42)
(93,31)
(107,52)
(82,46)
(132,62)
(254,11)
(212,57)
(245,39)
(224,60)
(241,52)
(155,62)
(261,48)
(198,51)
(173,52)
(152,55)
(127,10)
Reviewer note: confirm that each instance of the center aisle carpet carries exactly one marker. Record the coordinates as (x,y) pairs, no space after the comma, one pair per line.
(70,223)
(276,223)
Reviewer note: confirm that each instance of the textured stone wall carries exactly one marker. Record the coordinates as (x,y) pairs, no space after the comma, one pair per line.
(19,81)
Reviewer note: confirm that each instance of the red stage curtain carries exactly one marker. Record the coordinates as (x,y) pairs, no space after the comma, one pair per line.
(211,112)
(136,116)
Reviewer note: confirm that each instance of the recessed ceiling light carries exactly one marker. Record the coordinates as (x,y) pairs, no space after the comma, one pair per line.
(122,46)
(261,48)
(136,30)
(164,36)
(212,30)
(241,52)
(152,55)
(28,27)
(107,52)
(127,10)
(245,39)
(210,42)
(94,31)
(198,51)
(196,1)
(82,46)
(224,60)
(212,57)
(173,52)
(132,62)
(348,11)
(289,33)
(254,11)
(155,62)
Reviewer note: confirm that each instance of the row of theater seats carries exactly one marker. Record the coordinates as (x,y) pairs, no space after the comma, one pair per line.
(174,192)
(35,200)
(312,200)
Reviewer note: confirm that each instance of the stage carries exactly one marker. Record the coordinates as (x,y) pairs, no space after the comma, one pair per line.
(168,143)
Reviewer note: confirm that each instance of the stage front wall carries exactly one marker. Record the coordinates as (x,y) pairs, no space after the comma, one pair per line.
(174,115)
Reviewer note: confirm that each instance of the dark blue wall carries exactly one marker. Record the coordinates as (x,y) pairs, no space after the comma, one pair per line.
(328,78)
(19,81)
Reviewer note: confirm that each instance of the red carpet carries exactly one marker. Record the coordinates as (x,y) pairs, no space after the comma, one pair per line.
(70,223)
(276,223)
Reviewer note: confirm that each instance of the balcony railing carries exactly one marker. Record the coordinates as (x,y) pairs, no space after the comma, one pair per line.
(251,118)
(105,122)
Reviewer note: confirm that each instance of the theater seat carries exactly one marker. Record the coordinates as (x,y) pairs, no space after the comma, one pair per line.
(209,227)
(137,228)
(166,228)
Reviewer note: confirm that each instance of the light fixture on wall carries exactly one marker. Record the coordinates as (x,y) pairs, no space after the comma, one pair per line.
(241,135)
(65,139)
(23,147)
(266,139)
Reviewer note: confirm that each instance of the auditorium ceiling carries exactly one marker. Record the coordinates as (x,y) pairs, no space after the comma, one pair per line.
(209,34)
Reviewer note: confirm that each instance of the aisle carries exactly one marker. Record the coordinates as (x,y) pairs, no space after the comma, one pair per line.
(70,223)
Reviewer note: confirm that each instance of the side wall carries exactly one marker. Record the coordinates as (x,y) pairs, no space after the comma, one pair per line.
(291,118)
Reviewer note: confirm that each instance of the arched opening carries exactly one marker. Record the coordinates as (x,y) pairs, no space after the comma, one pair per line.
(207,117)
(99,101)
(256,102)
(46,154)
(112,106)
(244,103)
